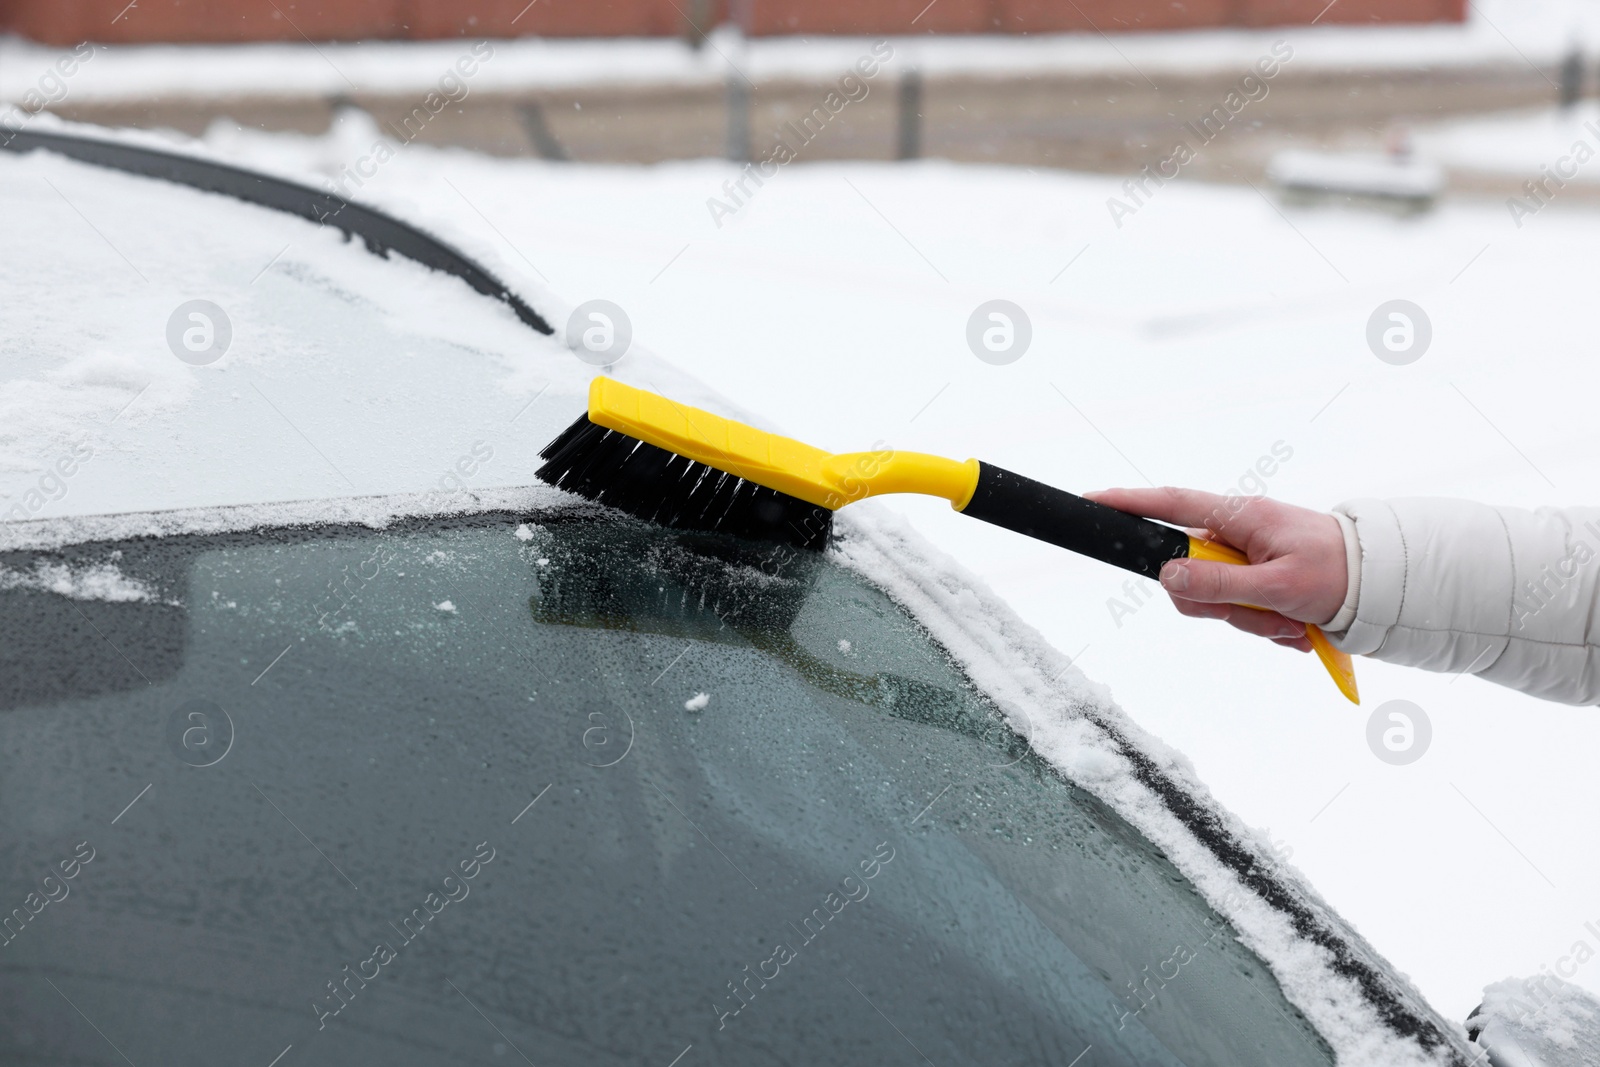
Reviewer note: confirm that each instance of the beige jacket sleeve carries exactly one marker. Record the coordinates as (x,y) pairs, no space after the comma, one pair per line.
(1510,595)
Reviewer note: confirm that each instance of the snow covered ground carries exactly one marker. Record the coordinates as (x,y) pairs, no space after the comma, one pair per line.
(1181,348)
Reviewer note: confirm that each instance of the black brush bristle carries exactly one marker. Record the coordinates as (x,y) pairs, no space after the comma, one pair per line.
(659,486)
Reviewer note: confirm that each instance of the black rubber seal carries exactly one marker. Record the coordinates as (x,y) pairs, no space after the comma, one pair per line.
(1049,514)
(380,233)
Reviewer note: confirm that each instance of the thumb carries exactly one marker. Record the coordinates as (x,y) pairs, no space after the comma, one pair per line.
(1210,582)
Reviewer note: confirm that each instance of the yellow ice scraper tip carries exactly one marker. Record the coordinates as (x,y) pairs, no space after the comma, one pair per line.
(1340,667)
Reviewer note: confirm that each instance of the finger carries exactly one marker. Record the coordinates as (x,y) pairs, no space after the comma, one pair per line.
(1302,645)
(1225,583)
(1195,609)
(1268,624)
(1184,507)
(1264,623)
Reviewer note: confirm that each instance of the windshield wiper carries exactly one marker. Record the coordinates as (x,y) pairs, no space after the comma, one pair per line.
(380,233)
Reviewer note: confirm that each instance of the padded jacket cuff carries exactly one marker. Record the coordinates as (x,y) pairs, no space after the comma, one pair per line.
(1381,575)
(1352,569)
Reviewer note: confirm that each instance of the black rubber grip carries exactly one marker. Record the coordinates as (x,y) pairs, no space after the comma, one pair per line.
(1049,514)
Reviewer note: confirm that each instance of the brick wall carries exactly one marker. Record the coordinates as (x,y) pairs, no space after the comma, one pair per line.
(63,22)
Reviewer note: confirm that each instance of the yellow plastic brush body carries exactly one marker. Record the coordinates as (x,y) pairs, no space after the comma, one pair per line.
(781,463)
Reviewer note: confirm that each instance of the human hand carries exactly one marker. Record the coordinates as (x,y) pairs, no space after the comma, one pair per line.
(1297,572)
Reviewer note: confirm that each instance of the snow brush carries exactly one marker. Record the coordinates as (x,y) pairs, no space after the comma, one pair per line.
(668,463)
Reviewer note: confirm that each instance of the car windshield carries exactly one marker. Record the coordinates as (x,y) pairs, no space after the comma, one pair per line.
(558,789)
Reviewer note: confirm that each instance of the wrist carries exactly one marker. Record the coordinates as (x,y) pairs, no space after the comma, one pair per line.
(1352,565)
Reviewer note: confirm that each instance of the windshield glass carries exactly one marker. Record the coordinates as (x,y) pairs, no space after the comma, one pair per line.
(566,790)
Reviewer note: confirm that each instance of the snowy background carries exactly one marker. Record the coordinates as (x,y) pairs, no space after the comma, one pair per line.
(1180,348)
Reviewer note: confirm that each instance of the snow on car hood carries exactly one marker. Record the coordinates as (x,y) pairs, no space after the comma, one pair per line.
(355,389)
(332,372)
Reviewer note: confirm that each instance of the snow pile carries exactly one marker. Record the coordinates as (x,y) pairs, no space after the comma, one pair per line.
(101,581)
(697,702)
(1538,1021)
(352,134)
(1357,174)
